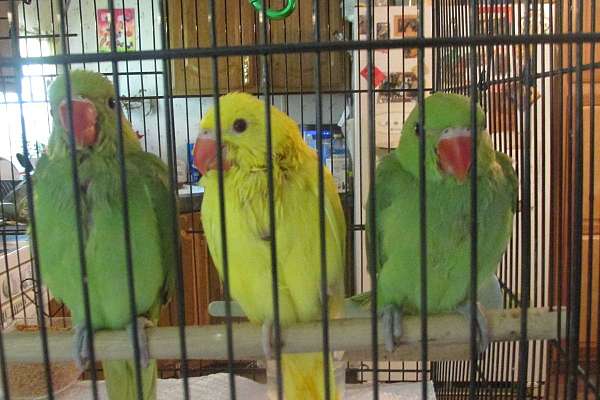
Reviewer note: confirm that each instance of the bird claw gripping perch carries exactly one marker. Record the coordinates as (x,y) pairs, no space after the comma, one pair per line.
(268,337)
(392,326)
(483,338)
(142,339)
(81,350)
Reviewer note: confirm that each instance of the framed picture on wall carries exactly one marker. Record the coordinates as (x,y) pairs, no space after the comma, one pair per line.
(124,29)
(406,26)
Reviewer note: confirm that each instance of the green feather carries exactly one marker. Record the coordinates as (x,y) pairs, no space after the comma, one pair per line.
(151,226)
(397,227)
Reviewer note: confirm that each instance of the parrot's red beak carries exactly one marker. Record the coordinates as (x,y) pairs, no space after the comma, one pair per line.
(454,152)
(205,153)
(85,117)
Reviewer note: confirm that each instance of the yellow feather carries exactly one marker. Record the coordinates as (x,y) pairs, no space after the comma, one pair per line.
(297,225)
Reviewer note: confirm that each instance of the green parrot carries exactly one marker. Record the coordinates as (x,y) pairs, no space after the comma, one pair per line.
(151,222)
(447,164)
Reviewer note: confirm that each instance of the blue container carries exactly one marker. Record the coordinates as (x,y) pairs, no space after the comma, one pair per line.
(194,174)
(310,137)
(335,155)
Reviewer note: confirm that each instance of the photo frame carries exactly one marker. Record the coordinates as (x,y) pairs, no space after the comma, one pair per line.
(124,29)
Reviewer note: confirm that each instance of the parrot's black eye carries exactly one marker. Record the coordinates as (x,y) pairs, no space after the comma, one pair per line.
(240,125)
(111,102)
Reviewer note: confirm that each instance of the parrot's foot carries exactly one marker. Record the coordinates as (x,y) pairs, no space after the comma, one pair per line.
(142,339)
(483,338)
(268,337)
(333,290)
(81,350)
(392,325)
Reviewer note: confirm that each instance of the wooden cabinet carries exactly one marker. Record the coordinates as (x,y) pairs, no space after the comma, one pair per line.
(201,283)
(237,23)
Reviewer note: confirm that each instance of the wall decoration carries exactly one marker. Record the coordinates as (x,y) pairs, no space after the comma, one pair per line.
(395,74)
(362,25)
(383,31)
(406,26)
(124,30)
(378,75)
(495,19)
(401,87)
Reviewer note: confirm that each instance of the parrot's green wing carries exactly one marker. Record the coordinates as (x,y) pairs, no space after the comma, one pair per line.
(388,179)
(509,172)
(155,177)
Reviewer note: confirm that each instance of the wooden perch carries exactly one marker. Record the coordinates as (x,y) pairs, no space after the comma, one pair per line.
(448,339)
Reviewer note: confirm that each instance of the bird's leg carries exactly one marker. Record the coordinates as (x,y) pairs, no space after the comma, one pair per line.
(268,337)
(142,339)
(391,316)
(483,338)
(331,291)
(81,350)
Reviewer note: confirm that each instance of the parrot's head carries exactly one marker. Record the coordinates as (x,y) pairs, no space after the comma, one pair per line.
(92,110)
(243,135)
(448,138)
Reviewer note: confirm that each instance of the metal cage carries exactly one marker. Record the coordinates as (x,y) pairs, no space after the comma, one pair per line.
(349,72)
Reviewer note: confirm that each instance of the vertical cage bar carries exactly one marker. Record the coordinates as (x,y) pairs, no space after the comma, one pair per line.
(577,228)
(474,209)
(372,218)
(3,364)
(321,200)
(422,200)
(78,210)
(265,83)
(556,200)
(125,202)
(170,133)
(526,214)
(593,172)
(18,67)
(221,184)
(164,39)
(569,235)
(193,218)
(591,191)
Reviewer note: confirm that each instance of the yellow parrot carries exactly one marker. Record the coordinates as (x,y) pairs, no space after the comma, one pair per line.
(295,177)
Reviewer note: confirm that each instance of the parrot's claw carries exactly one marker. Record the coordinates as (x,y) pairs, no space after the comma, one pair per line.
(81,350)
(330,292)
(267,331)
(483,338)
(268,337)
(142,339)
(392,326)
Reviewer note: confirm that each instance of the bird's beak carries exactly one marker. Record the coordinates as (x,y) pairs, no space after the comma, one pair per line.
(84,116)
(205,153)
(454,152)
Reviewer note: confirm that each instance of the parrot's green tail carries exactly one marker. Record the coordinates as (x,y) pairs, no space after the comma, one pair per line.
(121,382)
(362,299)
(303,377)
